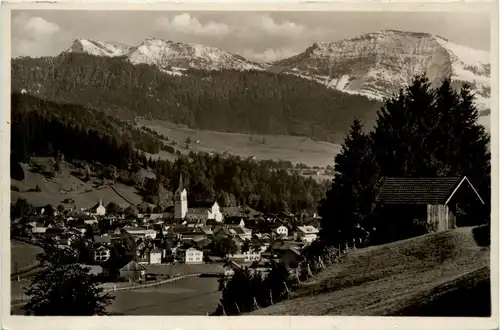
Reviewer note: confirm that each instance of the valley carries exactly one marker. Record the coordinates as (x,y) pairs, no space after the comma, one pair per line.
(295,149)
(180,178)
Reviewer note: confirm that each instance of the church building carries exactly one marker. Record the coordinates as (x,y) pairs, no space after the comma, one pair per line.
(180,201)
(198,213)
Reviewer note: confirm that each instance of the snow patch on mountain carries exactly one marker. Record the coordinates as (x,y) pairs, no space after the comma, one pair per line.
(168,56)
(342,82)
(378,64)
(470,66)
(165,54)
(97,48)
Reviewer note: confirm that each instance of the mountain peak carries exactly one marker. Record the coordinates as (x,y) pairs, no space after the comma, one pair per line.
(378,64)
(169,56)
(168,53)
(97,48)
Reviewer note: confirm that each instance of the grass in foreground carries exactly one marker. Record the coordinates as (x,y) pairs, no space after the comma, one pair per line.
(400,278)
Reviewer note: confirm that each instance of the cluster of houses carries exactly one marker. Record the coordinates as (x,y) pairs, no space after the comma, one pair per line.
(190,233)
(184,233)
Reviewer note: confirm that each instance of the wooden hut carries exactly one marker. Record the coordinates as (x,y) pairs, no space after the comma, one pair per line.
(433,200)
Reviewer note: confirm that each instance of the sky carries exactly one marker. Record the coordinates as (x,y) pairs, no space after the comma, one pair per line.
(258,36)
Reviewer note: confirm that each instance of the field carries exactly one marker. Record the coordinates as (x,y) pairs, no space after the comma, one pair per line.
(190,296)
(289,148)
(65,185)
(419,276)
(184,269)
(22,255)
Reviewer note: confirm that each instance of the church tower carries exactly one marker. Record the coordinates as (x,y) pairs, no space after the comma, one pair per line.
(180,201)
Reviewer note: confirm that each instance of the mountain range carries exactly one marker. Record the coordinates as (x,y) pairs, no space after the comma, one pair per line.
(375,65)
(169,56)
(316,93)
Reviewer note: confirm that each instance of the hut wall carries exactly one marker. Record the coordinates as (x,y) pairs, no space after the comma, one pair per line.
(440,218)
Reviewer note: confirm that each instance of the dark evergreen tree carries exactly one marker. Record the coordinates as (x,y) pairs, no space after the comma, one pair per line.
(63,287)
(22,208)
(420,132)
(349,201)
(66,290)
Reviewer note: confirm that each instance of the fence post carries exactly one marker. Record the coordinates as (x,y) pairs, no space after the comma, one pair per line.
(309,270)
(255,303)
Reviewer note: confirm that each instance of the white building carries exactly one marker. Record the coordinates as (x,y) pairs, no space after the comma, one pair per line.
(190,255)
(180,201)
(98,209)
(203,211)
(102,254)
(155,257)
(141,232)
(37,227)
(282,231)
(306,233)
(215,213)
(252,255)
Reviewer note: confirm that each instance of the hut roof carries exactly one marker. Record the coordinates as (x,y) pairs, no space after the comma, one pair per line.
(433,190)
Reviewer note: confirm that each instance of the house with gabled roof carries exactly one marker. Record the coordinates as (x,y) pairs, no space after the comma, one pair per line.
(242,232)
(223,232)
(433,202)
(98,209)
(291,257)
(189,255)
(234,221)
(306,233)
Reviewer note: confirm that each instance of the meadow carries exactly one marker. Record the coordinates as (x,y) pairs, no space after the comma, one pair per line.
(296,149)
(418,276)
(65,185)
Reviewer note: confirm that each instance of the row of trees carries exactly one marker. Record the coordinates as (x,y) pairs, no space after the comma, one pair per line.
(248,290)
(225,100)
(235,181)
(421,132)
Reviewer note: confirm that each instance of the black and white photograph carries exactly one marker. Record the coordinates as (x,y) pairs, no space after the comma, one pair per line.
(251,163)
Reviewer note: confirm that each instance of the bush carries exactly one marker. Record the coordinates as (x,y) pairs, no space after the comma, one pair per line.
(14,187)
(36,189)
(152,199)
(16,171)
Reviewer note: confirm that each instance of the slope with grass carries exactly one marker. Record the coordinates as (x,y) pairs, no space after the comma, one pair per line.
(418,276)
(296,149)
(65,185)
(22,255)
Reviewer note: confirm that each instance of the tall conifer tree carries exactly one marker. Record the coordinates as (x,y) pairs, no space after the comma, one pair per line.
(348,202)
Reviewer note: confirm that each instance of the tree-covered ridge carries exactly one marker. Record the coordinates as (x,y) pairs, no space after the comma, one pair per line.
(49,129)
(226,100)
(235,181)
(28,113)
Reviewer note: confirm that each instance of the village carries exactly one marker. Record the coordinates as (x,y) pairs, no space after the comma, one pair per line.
(198,234)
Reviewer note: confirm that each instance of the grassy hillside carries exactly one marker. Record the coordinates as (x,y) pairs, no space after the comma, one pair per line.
(22,255)
(401,278)
(66,185)
(289,148)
